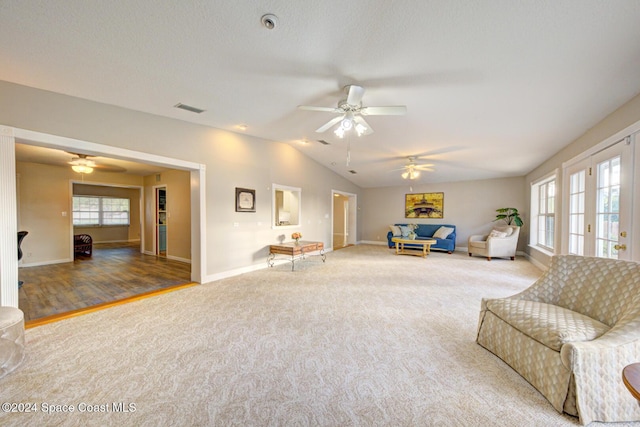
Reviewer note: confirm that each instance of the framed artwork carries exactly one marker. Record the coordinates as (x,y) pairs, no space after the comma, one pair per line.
(245,200)
(424,205)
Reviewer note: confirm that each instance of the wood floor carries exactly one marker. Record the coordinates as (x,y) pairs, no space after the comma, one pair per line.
(114,272)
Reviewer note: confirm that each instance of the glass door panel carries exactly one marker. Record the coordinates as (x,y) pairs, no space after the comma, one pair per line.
(607,212)
(577,191)
(598,216)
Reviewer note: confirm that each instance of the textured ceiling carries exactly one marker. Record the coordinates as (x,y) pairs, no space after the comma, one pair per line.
(492,88)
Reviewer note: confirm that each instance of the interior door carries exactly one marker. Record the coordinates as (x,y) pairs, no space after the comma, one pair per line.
(161,221)
(600,203)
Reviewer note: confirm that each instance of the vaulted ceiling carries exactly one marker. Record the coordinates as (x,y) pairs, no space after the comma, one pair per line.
(492,88)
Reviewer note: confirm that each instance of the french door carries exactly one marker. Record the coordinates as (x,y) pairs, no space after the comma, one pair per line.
(599,214)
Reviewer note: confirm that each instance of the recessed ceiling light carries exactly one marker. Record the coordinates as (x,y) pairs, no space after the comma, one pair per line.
(304,141)
(242,127)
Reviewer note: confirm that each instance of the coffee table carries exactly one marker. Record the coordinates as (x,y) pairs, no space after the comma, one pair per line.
(296,251)
(426,246)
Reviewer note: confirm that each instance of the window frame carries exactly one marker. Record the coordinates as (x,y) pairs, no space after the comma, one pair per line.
(547,212)
(101,221)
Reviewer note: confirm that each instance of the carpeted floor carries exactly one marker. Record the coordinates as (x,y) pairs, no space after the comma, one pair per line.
(367,339)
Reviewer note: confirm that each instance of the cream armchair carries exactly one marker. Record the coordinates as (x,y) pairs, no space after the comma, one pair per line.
(501,242)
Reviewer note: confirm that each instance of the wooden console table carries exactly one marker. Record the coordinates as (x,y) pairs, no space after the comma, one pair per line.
(295,251)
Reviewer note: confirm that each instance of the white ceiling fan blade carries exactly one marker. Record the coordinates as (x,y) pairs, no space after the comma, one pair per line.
(361,121)
(355,95)
(424,167)
(324,109)
(330,123)
(397,110)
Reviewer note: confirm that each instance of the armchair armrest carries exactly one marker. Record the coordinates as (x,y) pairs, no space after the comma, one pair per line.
(478,237)
(597,367)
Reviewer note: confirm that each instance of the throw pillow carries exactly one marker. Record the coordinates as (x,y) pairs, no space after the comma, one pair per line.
(496,233)
(395,230)
(506,229)
(442,232)
(404,230)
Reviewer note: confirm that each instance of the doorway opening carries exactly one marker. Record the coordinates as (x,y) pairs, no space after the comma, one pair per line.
(161,221)
(8,285)
(343,223)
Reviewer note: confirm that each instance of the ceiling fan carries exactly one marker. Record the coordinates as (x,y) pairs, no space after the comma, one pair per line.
(350,112)
(82,164)
(412,169)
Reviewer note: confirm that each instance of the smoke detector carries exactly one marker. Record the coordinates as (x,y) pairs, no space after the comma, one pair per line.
(269,21)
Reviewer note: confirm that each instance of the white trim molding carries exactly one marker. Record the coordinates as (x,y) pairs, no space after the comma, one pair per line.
(8,220)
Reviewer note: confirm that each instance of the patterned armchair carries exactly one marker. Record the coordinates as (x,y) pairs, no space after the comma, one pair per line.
(571,333)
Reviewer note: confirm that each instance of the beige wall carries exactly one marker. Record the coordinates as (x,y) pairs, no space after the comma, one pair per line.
(234,240)
(178,213)
(44,209)
(617,121)
(469,205)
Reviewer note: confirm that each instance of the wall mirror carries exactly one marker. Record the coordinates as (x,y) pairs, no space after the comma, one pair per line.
(286,203)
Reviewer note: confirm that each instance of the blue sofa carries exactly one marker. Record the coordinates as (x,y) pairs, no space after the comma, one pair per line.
(425,231)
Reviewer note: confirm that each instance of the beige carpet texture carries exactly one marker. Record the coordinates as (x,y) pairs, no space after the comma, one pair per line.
(368,338)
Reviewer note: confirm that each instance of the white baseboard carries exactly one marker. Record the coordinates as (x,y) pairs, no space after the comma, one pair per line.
(373,242)
(177,258)
(171,257)
(254,267)
(118,241)
(535,262)
(50,262)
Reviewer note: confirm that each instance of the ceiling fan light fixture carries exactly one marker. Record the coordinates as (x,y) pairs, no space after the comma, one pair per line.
(339,132)
(81,164)
(360,129)
(82,168)
(411,173)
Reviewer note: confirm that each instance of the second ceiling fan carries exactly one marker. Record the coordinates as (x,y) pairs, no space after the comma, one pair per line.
(350,112)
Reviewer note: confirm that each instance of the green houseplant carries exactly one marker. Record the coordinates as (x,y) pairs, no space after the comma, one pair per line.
(510,216)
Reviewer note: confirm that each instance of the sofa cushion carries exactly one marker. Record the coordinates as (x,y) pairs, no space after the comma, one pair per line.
(395,230)
(442,232)
(548,324)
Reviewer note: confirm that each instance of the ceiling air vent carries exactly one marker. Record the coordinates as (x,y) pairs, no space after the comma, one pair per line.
(189,108)
(353,172)
(323,142)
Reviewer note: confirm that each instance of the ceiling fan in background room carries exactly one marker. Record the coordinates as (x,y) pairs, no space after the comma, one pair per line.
(350,112)
(81,163)
(412,169)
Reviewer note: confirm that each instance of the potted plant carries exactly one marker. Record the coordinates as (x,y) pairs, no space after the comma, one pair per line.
(510,216)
